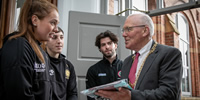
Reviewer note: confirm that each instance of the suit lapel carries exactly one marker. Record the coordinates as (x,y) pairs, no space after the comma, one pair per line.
(127,66)
(146,66)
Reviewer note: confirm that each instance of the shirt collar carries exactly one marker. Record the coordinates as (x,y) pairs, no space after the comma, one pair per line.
(146,48)
(60,58)
(104,59)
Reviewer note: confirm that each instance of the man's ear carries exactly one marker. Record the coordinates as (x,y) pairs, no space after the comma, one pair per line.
(146,31)
(34,20)
(116,46)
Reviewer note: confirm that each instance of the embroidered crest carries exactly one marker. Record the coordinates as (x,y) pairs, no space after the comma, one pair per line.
(119,73)
(67,74)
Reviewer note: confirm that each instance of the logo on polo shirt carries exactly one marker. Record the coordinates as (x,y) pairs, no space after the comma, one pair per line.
(102,74)
(51,72)
(39,67)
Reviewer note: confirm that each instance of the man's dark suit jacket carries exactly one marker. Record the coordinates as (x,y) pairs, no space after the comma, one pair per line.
(160,78)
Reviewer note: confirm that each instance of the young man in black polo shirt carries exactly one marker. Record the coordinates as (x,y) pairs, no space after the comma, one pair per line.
(63,77)
(109,68)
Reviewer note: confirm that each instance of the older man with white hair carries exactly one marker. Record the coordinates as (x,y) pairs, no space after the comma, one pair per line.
(154,70)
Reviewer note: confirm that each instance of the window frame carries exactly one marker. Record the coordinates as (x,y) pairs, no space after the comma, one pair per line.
(187,60)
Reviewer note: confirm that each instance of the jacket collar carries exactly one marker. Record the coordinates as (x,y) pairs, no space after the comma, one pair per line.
(60,58)
(114,61)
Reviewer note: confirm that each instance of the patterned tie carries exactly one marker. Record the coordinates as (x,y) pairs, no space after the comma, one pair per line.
(133,70)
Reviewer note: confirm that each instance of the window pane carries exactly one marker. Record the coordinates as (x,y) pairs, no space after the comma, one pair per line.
(187,82)
(183,81)
(92,6)
(182,25)
(116,6)
(139,4)
(19,6)
(186,54)
(20,3)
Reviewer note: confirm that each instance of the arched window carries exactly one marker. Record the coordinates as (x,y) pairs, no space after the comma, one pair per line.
(183,29)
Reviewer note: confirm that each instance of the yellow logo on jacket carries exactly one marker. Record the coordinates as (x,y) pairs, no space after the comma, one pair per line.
(67,74)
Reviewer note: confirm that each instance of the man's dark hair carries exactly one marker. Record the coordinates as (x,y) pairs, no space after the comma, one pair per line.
(105,34)
(60,30)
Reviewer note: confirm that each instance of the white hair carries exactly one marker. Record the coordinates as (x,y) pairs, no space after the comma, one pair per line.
(145,19)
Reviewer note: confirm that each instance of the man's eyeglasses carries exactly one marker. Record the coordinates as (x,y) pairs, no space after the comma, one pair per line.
(128,29)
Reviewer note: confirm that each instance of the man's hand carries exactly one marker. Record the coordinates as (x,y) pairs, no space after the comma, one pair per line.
(122,94)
